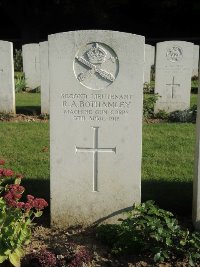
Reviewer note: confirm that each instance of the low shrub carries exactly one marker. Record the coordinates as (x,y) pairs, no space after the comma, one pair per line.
(187,115)
(16,217)
(74,257)
(161,114)
(147,89)
(42,258)
(148,105)
(153,232)
(20,83)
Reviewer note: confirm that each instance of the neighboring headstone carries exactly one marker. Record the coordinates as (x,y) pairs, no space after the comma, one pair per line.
(174,61)
(196,182)
(31,65)
(44,77)
(195,70)
(152,55)
(96,82)
(148,61)
(7,84)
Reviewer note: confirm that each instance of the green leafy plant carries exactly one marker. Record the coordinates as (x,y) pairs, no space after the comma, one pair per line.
(161,114)
(20,82)
(18,65)
(187,115)
(152,231)
(16,217)
(147,89)
(148,105)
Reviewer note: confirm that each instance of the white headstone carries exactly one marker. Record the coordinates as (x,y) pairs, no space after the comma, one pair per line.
(7,84)
(31,65)
(195,70)
(44,76)
(196,182)
(174,61)
(96,81)
(148,61)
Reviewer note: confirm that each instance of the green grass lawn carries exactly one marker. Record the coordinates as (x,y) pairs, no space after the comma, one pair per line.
(25,147)
(193,99)
(167,166)
(28,103)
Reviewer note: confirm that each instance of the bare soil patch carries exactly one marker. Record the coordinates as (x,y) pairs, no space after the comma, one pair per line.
(60,240)
(23,117)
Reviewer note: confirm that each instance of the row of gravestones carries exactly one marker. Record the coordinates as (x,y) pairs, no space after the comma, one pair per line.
(96,99)
(176,62)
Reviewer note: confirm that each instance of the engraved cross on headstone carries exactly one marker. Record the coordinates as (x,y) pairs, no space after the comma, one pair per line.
(173,85)
(95,150)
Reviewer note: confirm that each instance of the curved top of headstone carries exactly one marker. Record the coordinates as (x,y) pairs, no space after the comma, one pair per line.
(5,42)
(29,45)
(95,31)
(174,41)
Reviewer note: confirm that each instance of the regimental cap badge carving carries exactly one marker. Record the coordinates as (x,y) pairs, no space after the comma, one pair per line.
(96,55)
(96,65)
(174,54)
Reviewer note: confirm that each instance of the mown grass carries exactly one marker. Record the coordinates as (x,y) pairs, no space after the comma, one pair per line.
(28,103)
(167,166)
(25,147)
(193,99)
(167,170)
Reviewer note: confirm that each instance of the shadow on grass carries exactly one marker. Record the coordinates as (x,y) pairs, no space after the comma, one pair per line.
(29,110)
(39,188)
(173,196)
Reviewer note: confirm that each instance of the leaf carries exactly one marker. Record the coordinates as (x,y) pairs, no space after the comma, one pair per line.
(182,242)
(157,257)
(38,214)
(168,241)
(3,258)
(17,181)
(19,252)
(14,259)
(191,262)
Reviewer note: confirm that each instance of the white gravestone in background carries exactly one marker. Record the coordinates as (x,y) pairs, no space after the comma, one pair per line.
(148,61)
(174,61)
(196,182)
(44,77)
(31,65)
(195,70)
(7,84)
(96,82)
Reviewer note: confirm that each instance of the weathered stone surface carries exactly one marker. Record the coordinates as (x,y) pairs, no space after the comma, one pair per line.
(44,77)
(96,81)
(7,84)
(195,69)
(31,65)
(174,61)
